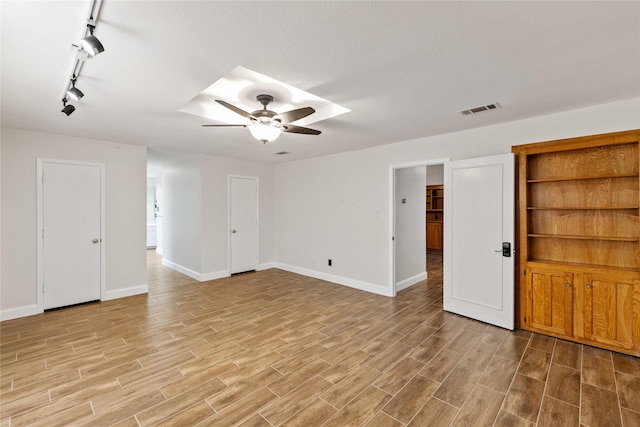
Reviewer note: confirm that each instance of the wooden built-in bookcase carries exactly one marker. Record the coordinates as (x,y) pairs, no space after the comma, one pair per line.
(579,239)
(434,215)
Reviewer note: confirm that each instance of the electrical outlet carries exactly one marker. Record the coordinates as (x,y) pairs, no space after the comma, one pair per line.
(329,262)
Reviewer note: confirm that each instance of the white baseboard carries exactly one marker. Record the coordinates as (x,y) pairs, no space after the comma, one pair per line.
(126,292)
(266,266)
(352,283)
(195,275)
(214,275)
(407,283)
(24,311)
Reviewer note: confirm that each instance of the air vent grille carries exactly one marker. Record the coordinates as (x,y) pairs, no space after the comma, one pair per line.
(479,109)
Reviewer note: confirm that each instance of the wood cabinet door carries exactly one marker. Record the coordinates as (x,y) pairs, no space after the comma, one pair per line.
(434,235)
(550,301)
(612,310)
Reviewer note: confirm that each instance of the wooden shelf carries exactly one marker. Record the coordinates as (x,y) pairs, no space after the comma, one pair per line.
(573,237)
(434,216)
(579,269)
(583,178)
(589,208)
(569,265)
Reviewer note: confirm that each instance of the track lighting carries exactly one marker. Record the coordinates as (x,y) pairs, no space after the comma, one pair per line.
(67,108)
(73,92)
(91,44)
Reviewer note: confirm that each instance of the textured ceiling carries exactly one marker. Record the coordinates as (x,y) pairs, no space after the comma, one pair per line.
(404,69)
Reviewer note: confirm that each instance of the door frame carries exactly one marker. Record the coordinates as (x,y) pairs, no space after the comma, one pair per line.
(40,162)
(257,180)
(392,215)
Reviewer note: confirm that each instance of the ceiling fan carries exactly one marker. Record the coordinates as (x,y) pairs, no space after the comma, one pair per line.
(266,125)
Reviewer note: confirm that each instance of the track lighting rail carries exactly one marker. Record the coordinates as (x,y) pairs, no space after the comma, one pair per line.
(88,47)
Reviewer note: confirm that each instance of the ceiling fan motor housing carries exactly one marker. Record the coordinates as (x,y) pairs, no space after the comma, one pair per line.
(265,122)
(264,99)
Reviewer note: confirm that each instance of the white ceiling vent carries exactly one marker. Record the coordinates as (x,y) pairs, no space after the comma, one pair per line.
(479,109)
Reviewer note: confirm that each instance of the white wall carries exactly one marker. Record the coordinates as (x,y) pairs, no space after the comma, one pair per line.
(435,174)
(215,211)
(327,207)
(125,167)
(410,227)
(182,215)
(195,210)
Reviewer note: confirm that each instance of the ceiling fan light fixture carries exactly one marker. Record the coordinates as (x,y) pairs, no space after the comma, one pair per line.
(264,132)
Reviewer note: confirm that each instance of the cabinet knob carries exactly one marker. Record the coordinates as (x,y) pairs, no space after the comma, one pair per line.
(568,285)
(588,286)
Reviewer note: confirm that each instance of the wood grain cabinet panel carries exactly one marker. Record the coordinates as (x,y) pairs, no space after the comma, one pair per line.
(609,310)
(578,231)
(551,301)
(434,236)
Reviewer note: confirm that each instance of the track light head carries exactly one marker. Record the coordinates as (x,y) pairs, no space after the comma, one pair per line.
(73,92)
(67,108)
(91,44)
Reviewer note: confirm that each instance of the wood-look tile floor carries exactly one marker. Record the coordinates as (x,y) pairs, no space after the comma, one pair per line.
(274,348)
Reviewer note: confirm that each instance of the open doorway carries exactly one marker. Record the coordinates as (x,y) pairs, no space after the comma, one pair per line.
(409,249)
(434,212)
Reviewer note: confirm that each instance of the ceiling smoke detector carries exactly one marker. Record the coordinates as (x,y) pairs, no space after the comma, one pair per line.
(479,109)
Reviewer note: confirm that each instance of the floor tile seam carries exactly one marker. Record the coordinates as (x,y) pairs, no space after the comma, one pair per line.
(515,374)
(559,400)
(631,410)
(520,418)
(395,419)
(259,412)
(477,383)
(175,413)
(135,416)
(581,385)
(602,388)
(358,395)
(440,400)
(625,373)
(546,377)
(615,382)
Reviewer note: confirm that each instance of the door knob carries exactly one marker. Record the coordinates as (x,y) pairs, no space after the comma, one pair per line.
(95,240)
(234,231)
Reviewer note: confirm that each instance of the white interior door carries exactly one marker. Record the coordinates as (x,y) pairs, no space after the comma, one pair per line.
(479,218)
(71,233)
(244,224)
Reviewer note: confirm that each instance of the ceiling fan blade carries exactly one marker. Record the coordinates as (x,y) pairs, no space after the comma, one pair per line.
(219,126)
(235,109)
(293,115)
(299,129)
